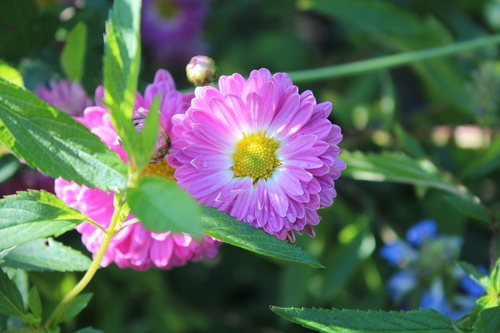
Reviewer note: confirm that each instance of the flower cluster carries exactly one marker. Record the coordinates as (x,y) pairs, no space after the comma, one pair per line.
(134,246)
(255,149)
(429,276)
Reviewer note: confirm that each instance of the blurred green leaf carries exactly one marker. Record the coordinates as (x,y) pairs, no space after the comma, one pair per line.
(229,230)
(399,168)
(46,254)
(52,141)
(73,53)
(11,302)
(121,70)
(403,31)
(31,215)
(345,321)
(9,164)
(479,277)
(472,208)
(345,258)
(163,206)
(11,74)
(293,289)
(34,302)
(489,321)
(408,143)
(486,162)
(73,307)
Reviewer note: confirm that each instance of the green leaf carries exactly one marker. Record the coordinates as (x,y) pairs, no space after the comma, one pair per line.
(9,164)
(408,143)
(346,257)
(32,215)
(399,168)
(11,302)
(34,302)
(472,208)
(495,278)
(149,135)
(487,161)
(9,73)
(485,302)
(52,141)
(47,254)
(345,321)
(479,277)
(73,307)
(489,321)
(3,253)
(73,53)
(229,230)
(162,206)
(121,70)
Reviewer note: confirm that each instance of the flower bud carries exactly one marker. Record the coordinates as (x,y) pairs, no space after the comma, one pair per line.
(201,70)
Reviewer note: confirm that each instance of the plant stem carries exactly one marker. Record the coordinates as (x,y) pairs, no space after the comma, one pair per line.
(114,225)
(494,241)
(391,60)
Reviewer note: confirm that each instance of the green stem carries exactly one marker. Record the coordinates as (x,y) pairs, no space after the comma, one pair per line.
(391,60)
(114,226)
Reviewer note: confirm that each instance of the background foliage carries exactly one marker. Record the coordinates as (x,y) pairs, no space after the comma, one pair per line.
(420,109)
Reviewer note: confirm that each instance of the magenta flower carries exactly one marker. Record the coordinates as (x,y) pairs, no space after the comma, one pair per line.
(134,246)
(260,151)
(172,29)
(66,95)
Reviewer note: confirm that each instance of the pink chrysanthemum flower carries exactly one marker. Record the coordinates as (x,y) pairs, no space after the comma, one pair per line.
(134,246)
(260,151)
(66,95)
(172,29)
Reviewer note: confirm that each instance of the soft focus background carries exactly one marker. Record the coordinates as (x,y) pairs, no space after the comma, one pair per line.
(449,105)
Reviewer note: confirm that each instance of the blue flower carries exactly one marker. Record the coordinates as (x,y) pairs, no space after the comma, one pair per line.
(425,229)
(428,260)
(470,286)
(398,252)
(401,283)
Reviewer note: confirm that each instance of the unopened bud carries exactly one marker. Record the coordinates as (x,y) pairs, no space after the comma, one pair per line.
(201,70)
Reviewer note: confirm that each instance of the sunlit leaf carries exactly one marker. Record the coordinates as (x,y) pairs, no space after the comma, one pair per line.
(46,254)
(489,321)
(32,215)
(52,141)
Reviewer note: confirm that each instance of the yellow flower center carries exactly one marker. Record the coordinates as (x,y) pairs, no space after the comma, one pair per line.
(160,168)
(167,8)
(255,156)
